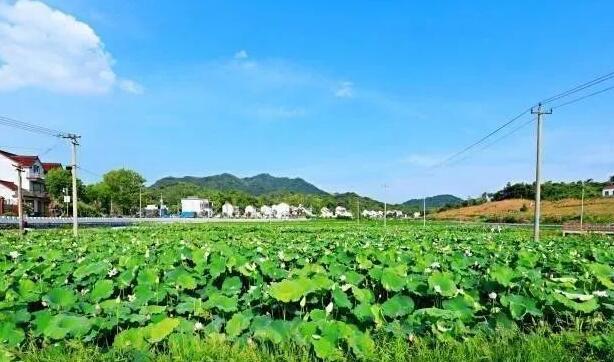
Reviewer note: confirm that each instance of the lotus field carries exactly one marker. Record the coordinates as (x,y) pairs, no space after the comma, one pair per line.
(332,288)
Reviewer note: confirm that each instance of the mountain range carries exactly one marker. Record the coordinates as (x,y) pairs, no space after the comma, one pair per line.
(256,186)
(265,184)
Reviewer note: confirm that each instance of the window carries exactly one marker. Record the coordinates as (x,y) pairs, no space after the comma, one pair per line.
(36,169)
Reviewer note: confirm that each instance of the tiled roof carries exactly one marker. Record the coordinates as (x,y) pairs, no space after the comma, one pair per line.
(20,159)
(51,165)
(9,185)
(610,186)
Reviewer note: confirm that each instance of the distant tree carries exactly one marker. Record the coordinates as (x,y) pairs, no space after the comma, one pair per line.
(56,180)
(612,178)
(123,187)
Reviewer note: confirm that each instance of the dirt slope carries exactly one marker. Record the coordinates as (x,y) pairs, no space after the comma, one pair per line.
(595,210)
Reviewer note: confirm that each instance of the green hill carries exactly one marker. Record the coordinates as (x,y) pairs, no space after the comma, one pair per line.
(257,185)
(433,202)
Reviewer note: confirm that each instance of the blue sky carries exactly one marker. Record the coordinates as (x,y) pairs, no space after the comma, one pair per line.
(349,95)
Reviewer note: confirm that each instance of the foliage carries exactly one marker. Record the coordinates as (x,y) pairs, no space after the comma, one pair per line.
(122,187)
(326,286)
(256,185)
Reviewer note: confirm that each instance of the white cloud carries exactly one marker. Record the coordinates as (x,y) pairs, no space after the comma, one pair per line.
(241,54)
(345,90)
(46,48)
(131,86)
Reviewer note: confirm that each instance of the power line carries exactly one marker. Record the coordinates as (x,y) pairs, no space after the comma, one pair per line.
(579,88)
(583,97)
(497,140)
(10,122)
(90,172)
(471,146)
(564,94)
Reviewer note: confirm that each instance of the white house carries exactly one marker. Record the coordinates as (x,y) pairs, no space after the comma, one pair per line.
(371,214)
(341,211)
(266,211)
(608,191)
(326,213)
(202,207)
(281,211)
(250,211)
(34,194)
(228,210)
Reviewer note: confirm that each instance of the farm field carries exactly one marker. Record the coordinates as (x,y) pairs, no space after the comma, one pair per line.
(303,291)
(600,210)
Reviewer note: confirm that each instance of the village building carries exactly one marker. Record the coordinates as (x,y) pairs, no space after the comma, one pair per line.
(326,213)
(200,207)
(228,210)
(35,197)
(342,212)
(281,211)
(608,190)
(266,211)
(250,212)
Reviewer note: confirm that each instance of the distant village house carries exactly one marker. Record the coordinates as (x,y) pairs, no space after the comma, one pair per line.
(35,197)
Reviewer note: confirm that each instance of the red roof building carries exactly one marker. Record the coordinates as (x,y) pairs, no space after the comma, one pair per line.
(51,165)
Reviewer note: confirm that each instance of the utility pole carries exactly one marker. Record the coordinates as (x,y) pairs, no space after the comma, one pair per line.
(538,160)
(358,210)
(19,199)
(74,141)
(385,205)
(161,203)
(140,201)
(582,209)
(424,211)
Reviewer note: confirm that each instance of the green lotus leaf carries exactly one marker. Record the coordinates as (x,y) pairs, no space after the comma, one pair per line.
(363,312)
(443,284)
(89,269)
(232,286)
(62,325)
(341,299)
(62,297)
(290,290)
(221,302)
(133,338)
(27,290)
(217,266)
(362,345)
(148,276)
(520,306)
(603,273)
(462,305)
(237,324)
(10,334)
(363,295)
(326,350)
(398,306)
(587,306)
(393,278)
(502,274)
(158,331)
(103,289)
(185,281)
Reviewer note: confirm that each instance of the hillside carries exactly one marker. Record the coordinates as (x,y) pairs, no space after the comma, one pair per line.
(433,202)
(599,210)
(257,185)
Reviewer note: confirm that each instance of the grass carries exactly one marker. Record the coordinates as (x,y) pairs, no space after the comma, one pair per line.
(595,210)
(540,345)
